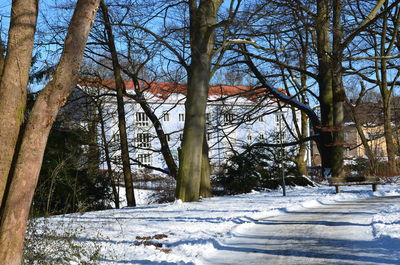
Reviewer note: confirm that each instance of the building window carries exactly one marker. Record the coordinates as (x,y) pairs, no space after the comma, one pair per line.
(168,137)
(283,135)
(143,140)
(374,135)
(142,119)
(261,136)
(181,117)
(261,118)
(166,116)
(247,119)
(144,159)
(209,136)
(278,119)
(181,136)
(228,117)
(249,137)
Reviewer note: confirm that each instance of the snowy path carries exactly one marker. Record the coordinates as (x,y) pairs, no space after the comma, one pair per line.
(340,233)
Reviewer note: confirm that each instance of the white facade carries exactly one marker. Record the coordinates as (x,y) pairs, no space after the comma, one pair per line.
(232,122)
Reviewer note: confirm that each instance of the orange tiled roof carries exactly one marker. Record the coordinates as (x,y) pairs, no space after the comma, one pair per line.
(165,89)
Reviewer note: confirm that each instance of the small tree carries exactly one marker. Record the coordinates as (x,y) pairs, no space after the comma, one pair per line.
(259,168)
(66,182)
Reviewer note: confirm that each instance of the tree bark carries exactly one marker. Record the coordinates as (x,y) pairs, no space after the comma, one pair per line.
(325,82)
(301,157)
(338,174)
(17,202)
(1,58)
(14,81)
(386,94)
(120,87)
(203,18)
(93,154)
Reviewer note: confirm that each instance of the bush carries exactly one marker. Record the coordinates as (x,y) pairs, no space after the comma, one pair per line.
(64,184)
(47,244)
(357,167)
(256,169)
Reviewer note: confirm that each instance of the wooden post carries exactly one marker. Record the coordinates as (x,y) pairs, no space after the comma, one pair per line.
(337,188)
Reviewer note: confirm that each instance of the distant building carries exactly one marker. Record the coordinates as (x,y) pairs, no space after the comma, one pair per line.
(236,116)
(370,116)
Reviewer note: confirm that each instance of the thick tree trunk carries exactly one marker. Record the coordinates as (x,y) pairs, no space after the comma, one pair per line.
(339,96)
(325,83)
(14,81)
(17,202)
(188,185)
(120,86)
(203,19)
(1,58)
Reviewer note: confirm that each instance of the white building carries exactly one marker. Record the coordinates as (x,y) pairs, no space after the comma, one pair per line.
(236,116)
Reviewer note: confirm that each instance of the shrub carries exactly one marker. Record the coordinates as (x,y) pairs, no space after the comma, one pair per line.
(256,169)
(64,184)
(47,244)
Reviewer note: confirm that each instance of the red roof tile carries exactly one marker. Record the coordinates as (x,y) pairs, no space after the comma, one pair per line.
(165,89)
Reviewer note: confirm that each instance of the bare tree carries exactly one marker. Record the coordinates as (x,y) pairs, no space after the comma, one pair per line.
(120,87)
(330,45)
(203,21)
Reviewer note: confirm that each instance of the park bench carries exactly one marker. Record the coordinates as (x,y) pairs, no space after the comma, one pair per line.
(361,180)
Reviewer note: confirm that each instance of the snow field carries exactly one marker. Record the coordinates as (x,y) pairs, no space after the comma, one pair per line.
(181,233)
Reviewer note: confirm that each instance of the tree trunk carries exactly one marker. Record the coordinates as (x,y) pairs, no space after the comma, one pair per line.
(17,202)
(205,183)
(93,154)
(385,49)
(339,96)
(388,131)
(364,140)
(188,185)
(120,87)
(1,58)
(165,150)
(301,159)
(325,83)
(386,94)
(14,81)
(108,157)
(203,19)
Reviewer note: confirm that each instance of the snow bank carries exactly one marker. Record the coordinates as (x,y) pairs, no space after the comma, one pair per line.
(386,224)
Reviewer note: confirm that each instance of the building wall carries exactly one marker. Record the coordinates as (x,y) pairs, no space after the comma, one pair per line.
(354,147)
(226,127)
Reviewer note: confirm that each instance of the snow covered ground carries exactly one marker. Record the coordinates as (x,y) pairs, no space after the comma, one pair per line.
(181,233)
